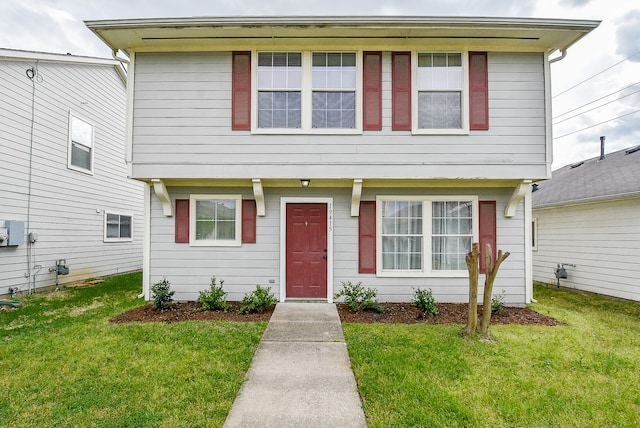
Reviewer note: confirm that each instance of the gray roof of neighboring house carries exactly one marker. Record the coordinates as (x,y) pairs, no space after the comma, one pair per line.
(614,177)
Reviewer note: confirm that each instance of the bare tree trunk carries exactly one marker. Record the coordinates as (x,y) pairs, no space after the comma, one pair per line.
(472,266)
(490,277)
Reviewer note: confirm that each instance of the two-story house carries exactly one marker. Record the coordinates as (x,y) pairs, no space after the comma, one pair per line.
(68,212)
(303,152)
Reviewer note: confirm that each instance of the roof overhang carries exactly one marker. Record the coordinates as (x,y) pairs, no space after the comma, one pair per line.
(20,55)
(219,33)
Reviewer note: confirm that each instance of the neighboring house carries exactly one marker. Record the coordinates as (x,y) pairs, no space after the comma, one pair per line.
(588,215)
(303,152)
(65,198)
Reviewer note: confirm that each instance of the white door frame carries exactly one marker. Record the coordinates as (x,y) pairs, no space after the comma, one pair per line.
(283,241)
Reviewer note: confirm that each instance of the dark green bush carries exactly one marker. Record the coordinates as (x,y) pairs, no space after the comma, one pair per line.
(162,295)
(425,301)
(359,298)
(259,300)
(213,299)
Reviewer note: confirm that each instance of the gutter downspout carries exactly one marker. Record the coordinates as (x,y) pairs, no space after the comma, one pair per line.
(563,53)
(122,71)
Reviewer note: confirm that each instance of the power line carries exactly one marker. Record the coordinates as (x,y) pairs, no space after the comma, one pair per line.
(595,108)
(593,101)
(597,124)
(597,74)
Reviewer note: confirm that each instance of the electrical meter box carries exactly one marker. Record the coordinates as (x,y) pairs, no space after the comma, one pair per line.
(15,230)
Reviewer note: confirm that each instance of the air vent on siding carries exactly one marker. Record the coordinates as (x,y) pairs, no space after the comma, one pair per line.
(632,150)
(575,165)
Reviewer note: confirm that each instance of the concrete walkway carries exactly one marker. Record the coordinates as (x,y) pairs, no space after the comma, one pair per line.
(300,375)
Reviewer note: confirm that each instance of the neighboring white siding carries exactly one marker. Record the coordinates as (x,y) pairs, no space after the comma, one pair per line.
(602,240)
(182,129)
(66,206)
(189,269)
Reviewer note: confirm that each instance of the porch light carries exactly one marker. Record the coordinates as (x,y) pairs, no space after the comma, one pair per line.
(305,182)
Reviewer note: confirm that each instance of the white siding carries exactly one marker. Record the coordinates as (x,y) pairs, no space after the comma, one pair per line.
(66,206)
(182,129)
(189,269)
(602,240)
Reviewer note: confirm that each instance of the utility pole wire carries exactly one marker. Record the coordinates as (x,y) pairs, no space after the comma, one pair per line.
(597,74)
(593,101)
(595,108)
(597,124)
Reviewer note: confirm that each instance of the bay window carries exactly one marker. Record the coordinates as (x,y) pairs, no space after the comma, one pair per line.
(420,236)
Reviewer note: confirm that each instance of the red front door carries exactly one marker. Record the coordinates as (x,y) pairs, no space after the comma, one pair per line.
(306,250)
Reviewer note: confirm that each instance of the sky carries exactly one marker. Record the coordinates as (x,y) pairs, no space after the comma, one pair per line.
(596,87)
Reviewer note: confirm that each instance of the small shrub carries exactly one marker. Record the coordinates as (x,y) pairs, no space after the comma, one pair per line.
(162,295)
(359,298)
(497,302)
(425,301)
(213,299)
(259,300)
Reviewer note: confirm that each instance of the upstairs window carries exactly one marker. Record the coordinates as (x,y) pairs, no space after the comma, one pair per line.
(334,90)
(279,90)
(440,87)
(307,92)
(80,150)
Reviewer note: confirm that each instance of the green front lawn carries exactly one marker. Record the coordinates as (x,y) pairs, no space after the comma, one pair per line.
(64,365)
(583,374)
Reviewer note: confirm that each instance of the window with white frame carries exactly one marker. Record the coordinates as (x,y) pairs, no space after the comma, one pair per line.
(419,236)
(440,86)
(279,89)
(334,90)
(307,91)
(215,220)
(118,227)
(80,152)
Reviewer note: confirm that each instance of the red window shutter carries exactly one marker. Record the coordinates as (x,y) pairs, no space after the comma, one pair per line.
(241,91)
(487,220)
(372,96)
(478,91)
(401,91)
(182,220)
(249,211)
(367,237)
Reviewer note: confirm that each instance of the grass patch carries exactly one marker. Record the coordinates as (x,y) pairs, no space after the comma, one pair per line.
(64,365)
(582,374)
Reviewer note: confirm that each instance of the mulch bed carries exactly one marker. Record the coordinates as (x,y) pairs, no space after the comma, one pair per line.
(403,313)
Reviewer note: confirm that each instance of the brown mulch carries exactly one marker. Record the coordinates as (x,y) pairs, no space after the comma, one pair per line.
(448,313)
(403,313)
(185,311)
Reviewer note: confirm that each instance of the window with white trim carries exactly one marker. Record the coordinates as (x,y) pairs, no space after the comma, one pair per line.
(307,92)
(215,220)
(440,86)
(420,236)
(80,151)
(334,90)
(118,227)
(279,89)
